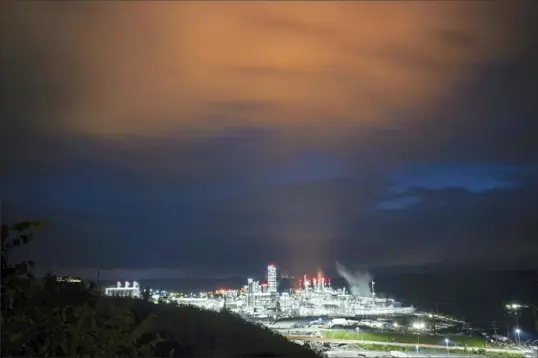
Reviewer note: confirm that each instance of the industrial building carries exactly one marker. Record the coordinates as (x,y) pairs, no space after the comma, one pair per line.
(126,290)
(315,297)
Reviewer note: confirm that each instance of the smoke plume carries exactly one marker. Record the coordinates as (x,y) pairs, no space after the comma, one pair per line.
(358,282)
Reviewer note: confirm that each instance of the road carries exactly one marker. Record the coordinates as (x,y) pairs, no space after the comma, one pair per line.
(452,349)
(377,354)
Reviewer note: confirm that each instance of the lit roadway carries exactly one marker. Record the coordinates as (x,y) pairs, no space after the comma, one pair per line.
(376,354)
(396,344)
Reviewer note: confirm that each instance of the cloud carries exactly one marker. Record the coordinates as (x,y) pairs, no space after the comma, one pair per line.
(475,177)
(399,203)
(230,135)
(455,225)
(128,69)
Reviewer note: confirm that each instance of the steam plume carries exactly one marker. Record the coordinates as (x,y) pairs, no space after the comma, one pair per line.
(358,282)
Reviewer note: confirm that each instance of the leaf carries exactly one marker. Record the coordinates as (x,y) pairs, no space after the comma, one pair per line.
(145,326)
(21,268)
(26,238)
(4,232)
(28,224)
(64,312)
(13,337)
(81,313)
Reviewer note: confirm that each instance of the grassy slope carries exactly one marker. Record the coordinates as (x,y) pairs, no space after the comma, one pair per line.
(194,332)
(406,338)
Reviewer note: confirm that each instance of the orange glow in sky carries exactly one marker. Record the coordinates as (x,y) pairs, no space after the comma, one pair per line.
(135,67)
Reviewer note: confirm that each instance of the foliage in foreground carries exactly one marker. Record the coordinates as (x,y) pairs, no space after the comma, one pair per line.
(41,317)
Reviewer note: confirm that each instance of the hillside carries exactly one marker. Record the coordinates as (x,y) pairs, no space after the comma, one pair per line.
(47,318)
(194,332)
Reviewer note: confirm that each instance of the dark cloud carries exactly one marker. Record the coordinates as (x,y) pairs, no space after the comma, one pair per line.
(212,138)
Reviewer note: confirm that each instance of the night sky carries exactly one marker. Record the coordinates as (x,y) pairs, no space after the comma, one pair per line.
(208,139)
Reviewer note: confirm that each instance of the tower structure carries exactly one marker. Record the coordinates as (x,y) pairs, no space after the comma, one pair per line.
(271,279)
(250,293)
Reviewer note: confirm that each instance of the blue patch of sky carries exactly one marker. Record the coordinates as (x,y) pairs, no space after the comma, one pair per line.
(399,203)
(475,178)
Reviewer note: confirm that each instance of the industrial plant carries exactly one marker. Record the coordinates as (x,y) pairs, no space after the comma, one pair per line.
(314,297)
(314,312)
(124,290)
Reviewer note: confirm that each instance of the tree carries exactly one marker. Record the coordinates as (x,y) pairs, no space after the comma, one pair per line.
(44,318)
(12,274)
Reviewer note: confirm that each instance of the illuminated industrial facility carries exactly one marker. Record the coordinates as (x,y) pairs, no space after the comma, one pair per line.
(312,308)
(68,279)
(127,290)
(315,297)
